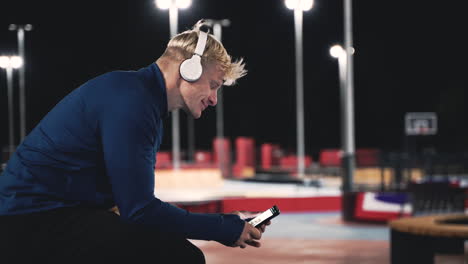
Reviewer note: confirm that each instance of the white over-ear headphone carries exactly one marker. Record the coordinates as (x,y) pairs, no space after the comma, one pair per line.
(191,69)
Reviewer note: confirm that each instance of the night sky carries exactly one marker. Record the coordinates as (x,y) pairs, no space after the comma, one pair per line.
(411,56)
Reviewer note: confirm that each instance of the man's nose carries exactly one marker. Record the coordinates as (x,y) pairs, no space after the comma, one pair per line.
(213,99)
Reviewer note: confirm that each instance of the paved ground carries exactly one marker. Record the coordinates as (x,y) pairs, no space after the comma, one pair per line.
(295,251)
(320,238)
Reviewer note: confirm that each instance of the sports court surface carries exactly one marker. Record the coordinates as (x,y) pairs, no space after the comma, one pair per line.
(309,238)
(309,229)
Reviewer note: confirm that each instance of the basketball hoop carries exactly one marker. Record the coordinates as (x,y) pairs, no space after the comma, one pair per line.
(424,123)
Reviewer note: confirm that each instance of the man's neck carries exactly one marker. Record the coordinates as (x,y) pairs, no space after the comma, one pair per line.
(170,72)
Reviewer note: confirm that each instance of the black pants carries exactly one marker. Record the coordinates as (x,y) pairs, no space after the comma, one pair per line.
(87,235)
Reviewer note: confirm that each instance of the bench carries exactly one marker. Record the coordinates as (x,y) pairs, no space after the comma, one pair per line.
(418,239)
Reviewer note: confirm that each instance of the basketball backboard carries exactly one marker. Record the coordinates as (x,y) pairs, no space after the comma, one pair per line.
(421,123)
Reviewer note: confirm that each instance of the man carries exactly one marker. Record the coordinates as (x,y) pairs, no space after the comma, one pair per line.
(96,149)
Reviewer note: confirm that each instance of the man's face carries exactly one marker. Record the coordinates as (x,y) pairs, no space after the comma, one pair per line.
(197,96)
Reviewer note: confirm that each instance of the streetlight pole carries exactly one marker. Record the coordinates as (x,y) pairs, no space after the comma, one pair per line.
(22,98)
(348,157)
(11,123)
(9,63)
(173,28)
(173,6)
(299,6)
(349,150)
(217,31)
(345,62)
(347,137)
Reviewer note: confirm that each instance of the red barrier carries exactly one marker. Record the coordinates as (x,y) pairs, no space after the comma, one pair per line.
(286,204)
(203,157)
(330,158)
(289,162)
(367,157)
(245,151)
(222,155)
(245,157)
(271,155)
(163,159)
(267,156)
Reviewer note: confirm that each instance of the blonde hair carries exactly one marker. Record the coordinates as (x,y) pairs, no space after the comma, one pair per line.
(182,47)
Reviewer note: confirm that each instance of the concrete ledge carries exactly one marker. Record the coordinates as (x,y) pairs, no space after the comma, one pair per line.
(420,239)
(432,225)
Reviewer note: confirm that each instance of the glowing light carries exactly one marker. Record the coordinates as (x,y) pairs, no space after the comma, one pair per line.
(304,5)
(4,62)
(163,4)
(336,51)
(291,4)
(16,62)
(166,4)
(183,3)
(11,62)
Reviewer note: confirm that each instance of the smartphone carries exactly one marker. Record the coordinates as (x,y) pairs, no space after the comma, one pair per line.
(265,216)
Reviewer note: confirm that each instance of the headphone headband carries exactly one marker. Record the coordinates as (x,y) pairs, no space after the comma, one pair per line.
(201,43)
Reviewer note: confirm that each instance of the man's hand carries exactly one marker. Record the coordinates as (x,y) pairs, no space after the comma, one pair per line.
(250,234)
(263,226)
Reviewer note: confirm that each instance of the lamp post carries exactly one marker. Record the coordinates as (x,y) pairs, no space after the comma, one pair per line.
(173,6)
(21,29)
(349,151)
(9,63)
(299,6)
(347,131)
(217,26)
(348,158)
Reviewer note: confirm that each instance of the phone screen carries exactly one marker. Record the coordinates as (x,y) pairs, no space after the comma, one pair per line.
(265,216)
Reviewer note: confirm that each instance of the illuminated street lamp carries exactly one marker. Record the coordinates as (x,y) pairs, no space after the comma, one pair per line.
(21,29)
(299,6)
(9,63)
(345,62)
(173,6)
(302,5)
(347,131)
(337,52)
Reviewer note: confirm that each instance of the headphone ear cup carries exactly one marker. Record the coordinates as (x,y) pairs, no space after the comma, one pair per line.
(191,69)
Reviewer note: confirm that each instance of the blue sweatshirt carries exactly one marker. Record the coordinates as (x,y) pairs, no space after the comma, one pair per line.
(97,147)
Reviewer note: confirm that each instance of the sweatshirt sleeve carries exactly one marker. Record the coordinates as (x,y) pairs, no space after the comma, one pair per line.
(128,125)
